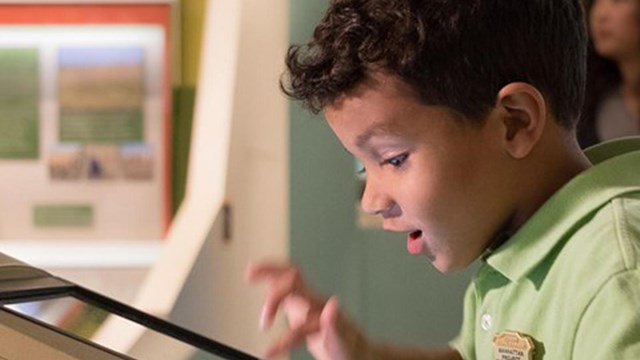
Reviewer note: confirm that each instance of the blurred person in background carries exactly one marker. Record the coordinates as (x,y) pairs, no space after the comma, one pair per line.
(612,102)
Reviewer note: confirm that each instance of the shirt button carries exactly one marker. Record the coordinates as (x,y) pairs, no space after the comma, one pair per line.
(486,322)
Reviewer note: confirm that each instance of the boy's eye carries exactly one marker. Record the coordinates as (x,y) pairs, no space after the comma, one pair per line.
(397,161)
(361,171)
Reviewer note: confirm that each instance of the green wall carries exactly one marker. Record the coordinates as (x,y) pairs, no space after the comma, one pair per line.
(395,297)
(184,94)
(183,101)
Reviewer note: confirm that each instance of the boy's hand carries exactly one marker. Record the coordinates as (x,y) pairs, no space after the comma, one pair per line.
(311,318)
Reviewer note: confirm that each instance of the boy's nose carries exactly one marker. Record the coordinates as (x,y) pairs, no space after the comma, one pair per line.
(374,201)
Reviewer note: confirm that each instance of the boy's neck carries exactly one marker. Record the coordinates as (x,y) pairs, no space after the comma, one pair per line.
(561,162)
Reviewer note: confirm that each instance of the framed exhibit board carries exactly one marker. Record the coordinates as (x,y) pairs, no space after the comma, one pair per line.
(84,121)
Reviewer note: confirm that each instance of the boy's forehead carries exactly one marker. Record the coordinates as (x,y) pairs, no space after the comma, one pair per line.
(362,128)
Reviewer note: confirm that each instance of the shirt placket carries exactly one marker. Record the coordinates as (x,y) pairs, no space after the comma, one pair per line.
(490,287)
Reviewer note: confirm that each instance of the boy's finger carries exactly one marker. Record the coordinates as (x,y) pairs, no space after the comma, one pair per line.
(261,271)
(329,315)
(332,343)
(291,339)
(279,290)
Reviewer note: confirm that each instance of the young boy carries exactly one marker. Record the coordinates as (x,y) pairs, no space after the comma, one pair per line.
(463,114)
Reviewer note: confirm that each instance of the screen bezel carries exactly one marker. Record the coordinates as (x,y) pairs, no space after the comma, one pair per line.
(28,290)
(51,337)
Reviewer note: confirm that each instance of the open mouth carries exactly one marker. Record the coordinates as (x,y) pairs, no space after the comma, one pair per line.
(415,244)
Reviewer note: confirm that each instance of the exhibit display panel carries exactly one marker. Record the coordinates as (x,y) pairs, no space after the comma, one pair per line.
(85,127)
(85,121)
(42,316)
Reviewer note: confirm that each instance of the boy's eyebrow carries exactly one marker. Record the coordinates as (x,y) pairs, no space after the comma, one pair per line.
(363,139)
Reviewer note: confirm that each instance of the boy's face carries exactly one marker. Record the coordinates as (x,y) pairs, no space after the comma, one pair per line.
(429,176)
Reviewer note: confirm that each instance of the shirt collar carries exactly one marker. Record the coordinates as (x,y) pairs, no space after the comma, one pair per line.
(610,177)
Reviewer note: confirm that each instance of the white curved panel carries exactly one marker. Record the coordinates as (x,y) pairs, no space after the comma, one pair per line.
(239,154)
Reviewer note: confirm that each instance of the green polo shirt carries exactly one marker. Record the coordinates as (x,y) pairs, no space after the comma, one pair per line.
(569,279)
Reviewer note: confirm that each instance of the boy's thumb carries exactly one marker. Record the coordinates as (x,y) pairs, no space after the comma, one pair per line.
(329,314)
(333,344)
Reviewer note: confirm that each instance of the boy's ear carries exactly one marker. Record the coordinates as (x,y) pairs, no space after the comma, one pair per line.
(523,117)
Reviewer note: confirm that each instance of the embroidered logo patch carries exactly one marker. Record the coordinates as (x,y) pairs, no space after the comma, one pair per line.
(512,345)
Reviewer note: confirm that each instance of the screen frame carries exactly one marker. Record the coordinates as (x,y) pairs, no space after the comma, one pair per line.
(42,288)
(51,337)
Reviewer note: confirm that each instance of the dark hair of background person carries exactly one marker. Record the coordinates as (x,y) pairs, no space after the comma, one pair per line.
(603,76)
(453,53)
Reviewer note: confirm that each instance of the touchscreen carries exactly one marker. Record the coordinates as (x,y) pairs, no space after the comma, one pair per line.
(83,320)
(21,338)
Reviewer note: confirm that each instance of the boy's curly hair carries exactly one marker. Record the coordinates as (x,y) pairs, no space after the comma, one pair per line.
(455,53)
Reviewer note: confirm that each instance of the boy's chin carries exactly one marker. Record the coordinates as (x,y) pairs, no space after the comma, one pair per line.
(447,265)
